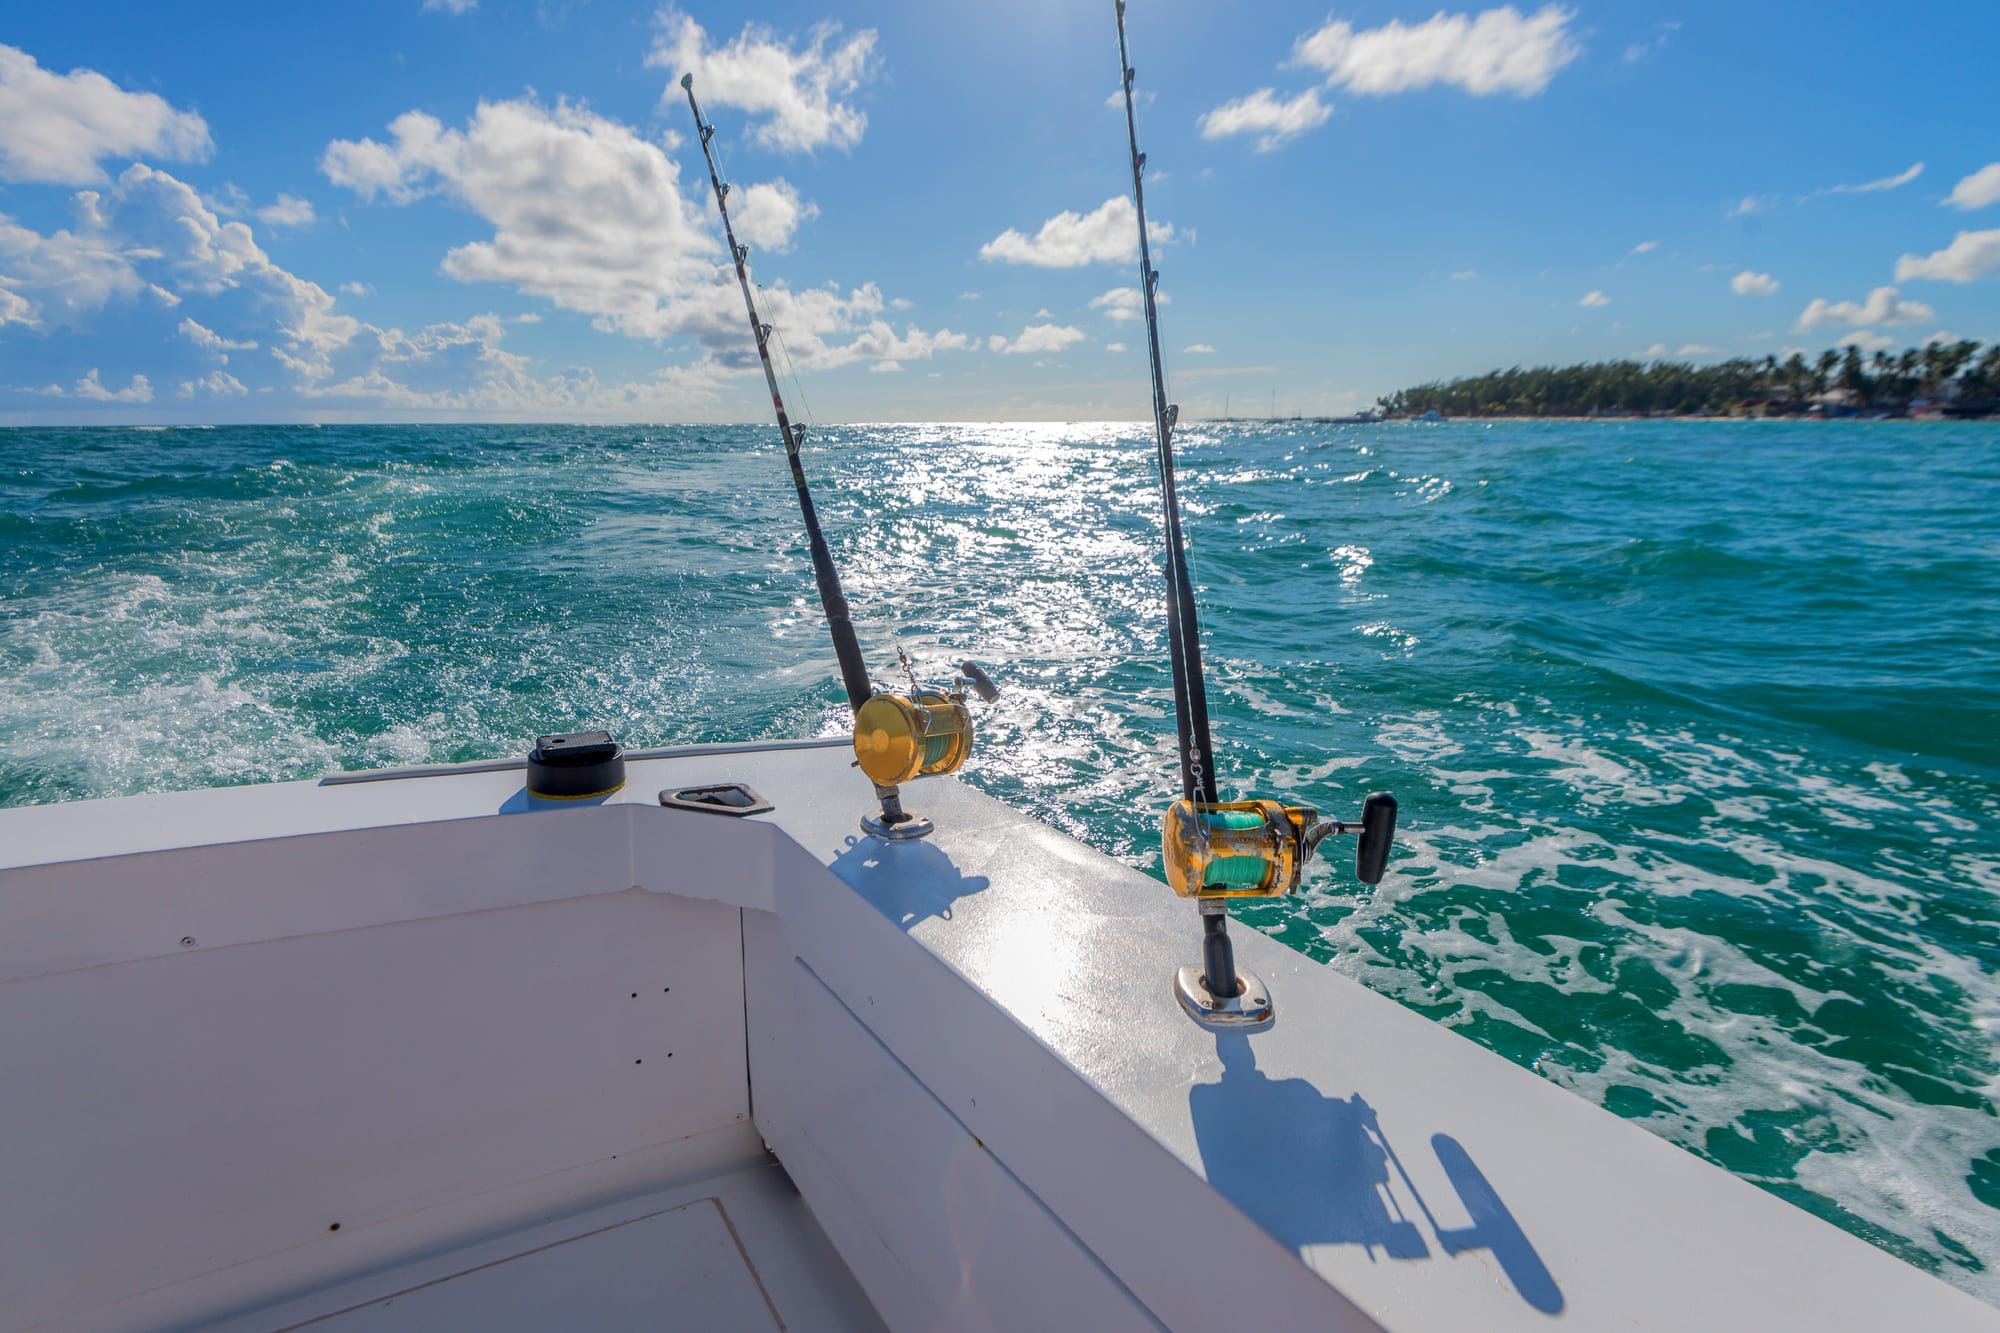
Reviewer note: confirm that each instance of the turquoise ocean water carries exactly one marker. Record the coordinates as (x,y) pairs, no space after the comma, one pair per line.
(1695,726)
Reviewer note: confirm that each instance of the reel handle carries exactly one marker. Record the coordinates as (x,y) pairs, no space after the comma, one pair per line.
(1378,832)
(981,683)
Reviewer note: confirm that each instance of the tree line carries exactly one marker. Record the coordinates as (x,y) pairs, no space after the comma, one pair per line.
(1954,376)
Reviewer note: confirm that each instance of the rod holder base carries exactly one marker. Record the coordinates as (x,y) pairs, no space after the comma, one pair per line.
(1247,1008)
(911,826)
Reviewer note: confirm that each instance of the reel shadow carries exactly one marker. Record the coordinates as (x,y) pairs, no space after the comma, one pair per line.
(1316,1170)
(908,882)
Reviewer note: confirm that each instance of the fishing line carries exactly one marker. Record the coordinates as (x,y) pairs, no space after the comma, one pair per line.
(792,373)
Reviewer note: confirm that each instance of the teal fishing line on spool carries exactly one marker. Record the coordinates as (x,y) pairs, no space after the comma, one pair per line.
(935,749)
(1233,872)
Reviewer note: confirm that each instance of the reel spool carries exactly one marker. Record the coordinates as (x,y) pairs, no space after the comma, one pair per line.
(925,733)
(1234,849)
(1259,849)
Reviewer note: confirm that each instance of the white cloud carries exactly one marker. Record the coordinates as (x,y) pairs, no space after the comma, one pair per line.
(1466,275)
(62,276)
(1036,338)
(153,236)
(357,289)
(1747,283)
(1594,299)
(1978,190)
(1197,349)
(14,308)
(1123,303)
(589,216)
(1875,186)
(218,383)
(140,390)
(1262,114)
(1942,336)
(1108,234)
(877,341)
(885,367)
(453,7)
(1970,256)
(1644,246)
(1652,46)
(1656,351)
(1884,306)
(1114,347)
(901,303)
(1697,349)
(288,211)
(397,170)
(1752,205)
(796,91)
(462,369)
(968,296)
(151,241)
(1867,341)
(1500,51)
(770,213)
(54,128)
(213,343)
(585,213)
(1141,98)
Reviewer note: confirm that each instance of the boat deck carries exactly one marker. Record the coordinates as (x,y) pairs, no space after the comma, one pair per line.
(410,1050)
(735,1251)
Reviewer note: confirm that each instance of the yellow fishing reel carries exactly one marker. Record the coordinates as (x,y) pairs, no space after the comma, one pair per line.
(1234,849)
(1259,849)
(897,738)
(921,734)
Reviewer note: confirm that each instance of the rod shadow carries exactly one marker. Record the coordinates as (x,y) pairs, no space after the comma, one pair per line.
(1315,1170)
(908,882)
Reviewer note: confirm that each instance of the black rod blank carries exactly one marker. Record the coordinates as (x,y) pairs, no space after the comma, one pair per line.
(839,623)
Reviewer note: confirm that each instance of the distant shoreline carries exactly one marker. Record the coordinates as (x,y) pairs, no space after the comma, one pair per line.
(1950,380)
(1607,419)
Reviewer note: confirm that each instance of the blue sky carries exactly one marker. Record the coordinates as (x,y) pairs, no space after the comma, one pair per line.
(449,209)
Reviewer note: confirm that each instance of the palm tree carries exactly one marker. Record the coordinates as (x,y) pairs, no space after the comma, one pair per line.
(1852,377)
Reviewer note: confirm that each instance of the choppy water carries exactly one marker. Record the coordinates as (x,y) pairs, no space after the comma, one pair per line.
(1696,727)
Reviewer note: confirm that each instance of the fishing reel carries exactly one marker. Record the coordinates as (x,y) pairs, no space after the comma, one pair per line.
(1218,850)
(921,734)
(1259,849)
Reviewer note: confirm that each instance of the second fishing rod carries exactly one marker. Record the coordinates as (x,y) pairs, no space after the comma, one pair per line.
(1216,850)
(897,737)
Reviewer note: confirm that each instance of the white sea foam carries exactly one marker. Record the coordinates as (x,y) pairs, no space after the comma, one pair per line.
(1895,1162)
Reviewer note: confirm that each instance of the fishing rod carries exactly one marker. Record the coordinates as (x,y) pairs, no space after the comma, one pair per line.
(1217,850)
(897,737)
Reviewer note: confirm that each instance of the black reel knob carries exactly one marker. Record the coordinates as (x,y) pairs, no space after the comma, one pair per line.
(982,684)
(1378,831)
